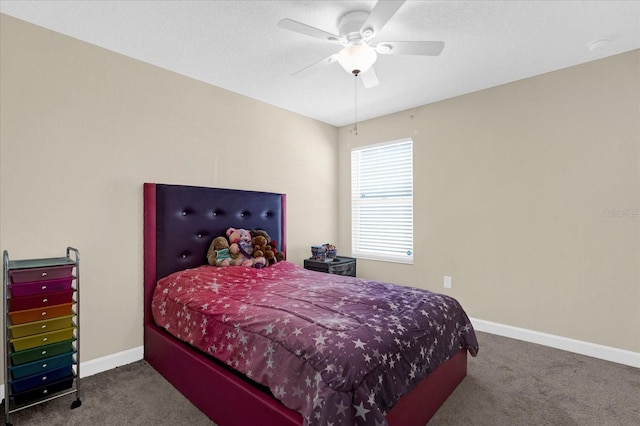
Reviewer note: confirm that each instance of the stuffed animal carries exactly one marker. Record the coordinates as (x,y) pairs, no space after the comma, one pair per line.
(271,252)
(278,255)
(240,248)
(262,249)
(261,232)
(218,254)
(259,262)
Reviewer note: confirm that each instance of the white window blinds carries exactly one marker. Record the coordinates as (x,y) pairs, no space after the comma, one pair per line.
(382,202)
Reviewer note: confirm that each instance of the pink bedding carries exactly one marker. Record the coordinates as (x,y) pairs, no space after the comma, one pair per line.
(339,350)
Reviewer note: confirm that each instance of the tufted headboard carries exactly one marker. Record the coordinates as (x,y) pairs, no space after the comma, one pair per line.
(181,221)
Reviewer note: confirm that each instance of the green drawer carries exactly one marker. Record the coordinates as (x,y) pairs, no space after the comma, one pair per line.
(42,339)
(41,366)
(43,326)
(41,352)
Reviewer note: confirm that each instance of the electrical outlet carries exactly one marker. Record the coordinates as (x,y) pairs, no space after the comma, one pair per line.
(447,281)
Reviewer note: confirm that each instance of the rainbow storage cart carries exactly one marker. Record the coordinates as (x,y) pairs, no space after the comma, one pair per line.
(41,330)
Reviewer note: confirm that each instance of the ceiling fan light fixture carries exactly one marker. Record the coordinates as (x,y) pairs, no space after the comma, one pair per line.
(357,57)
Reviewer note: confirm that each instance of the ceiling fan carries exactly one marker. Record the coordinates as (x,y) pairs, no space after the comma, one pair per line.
(356,30)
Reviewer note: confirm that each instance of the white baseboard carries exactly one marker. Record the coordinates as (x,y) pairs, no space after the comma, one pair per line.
(607,353)
(98,365)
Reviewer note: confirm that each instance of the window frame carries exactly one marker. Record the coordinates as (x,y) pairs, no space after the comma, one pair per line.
(390,252)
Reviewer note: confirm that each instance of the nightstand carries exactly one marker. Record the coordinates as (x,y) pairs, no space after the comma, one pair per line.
(341,265)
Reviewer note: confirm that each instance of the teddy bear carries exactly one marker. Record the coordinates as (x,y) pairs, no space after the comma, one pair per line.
(262,249)
(218,254)
(278,255)
(270,252)
(240,248)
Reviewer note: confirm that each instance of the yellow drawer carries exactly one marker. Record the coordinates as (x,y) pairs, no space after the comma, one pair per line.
(29,342)
(37,327)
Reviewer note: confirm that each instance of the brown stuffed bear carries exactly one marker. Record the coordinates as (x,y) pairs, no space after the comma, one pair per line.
(271,253)
(278,255)
(261,248)
(256,232)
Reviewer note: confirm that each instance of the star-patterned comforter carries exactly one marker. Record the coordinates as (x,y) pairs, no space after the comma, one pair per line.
(339,350)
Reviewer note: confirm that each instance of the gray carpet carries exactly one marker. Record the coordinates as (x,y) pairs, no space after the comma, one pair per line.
(509,383)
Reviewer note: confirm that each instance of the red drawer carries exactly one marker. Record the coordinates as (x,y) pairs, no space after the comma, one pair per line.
(40,287)
(40,301)
(21,317)
(39,274)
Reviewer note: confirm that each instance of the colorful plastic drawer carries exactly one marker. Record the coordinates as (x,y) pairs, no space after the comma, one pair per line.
(24,343)
(40,301)
(38,274)
(43,326)
(41,379)
(41,352)
(42,365)
(43,391)
(40,287)
(21,317)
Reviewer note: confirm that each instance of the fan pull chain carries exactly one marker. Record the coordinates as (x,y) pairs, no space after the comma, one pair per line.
(355,102)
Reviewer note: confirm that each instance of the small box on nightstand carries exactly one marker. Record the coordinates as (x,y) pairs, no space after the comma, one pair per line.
(340,265)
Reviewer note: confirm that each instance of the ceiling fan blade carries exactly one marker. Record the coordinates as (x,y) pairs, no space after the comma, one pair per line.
(425,48)
(299,27)
(380,15)
(369,79)
(316,66)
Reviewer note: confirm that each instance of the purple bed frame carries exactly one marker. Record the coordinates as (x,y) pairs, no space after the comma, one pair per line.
(179,224)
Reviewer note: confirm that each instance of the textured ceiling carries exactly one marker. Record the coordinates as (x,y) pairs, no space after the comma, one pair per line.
(237,45)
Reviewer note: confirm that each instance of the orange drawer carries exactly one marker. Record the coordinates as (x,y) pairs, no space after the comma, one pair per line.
(21,317)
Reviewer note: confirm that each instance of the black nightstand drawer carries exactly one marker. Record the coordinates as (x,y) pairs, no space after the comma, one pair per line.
(340,265)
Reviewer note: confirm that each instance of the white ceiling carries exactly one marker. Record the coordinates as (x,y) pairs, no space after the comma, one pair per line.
(237,45)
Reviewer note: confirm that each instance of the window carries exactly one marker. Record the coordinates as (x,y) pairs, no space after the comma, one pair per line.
(382,202)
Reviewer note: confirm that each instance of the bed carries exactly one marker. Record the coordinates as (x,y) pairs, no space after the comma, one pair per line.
(179,225)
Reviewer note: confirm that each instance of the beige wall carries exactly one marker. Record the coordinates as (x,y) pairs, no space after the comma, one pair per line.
(528,195)
(83,128)
(512,182)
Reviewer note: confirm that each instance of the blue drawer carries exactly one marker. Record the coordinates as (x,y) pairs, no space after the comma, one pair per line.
(43,379)
(41,392)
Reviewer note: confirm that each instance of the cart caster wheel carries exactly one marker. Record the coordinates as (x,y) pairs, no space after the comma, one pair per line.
(76,404)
